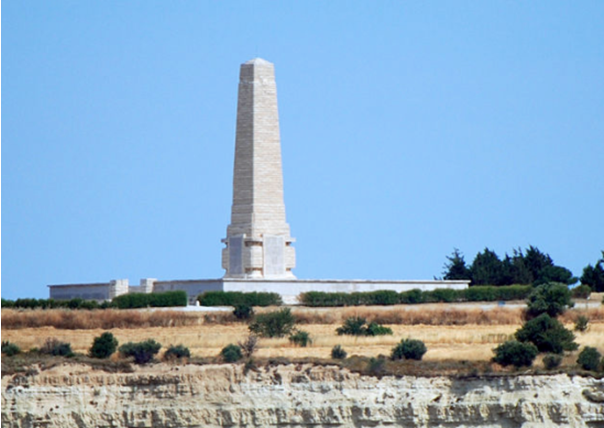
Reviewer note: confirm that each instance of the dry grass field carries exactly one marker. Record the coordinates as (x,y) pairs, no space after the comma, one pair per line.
(449,333)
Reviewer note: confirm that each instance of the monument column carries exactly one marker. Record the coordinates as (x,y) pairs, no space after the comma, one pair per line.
(258,242)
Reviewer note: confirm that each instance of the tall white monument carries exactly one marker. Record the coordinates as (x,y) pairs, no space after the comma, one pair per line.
(258,242)
(259,255)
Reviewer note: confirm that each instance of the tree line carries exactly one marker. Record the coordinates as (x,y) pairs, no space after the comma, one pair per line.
(530,266)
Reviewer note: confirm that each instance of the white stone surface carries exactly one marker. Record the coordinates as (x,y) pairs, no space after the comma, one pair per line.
(258,210)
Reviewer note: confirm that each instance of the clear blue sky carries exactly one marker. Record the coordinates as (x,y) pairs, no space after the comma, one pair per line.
(407,129)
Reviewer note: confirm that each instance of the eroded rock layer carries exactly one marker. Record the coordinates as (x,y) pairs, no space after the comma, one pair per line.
(292,396)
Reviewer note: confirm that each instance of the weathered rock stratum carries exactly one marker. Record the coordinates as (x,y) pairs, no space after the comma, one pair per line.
(292,396)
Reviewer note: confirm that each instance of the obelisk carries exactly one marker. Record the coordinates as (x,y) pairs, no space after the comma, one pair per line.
(258,242)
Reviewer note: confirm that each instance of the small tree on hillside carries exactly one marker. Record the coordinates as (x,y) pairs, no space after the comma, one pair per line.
(594,275)
(103,346)
(273,324)
(547,334)
(515,353)
(456,267)
(551,298)
(142,352)
(486,269)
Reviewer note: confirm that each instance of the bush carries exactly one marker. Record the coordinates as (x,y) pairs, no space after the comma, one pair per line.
(7,304)
(409,349)
(581,292)
(375,329)
(29,303)
(551,361)
(103,346)
(582,323)
(551,298)
(177,352)
(53,346)
(547,334)
(411,297)
(355,326)
(249,345)
(300,338)
(9,349)
(142,352)
(154,300)
(589,358)
(338,353)
(231,353)
(515,353)
(243,312)
(273,324)
(376,365)
(415,296)
(234,298)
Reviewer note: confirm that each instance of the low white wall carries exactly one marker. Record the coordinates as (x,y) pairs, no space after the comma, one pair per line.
(99,291)
(288,289)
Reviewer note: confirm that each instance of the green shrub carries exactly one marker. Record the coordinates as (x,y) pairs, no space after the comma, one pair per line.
(375,366)
(581,292)
(103,346)
(55,347)
(9,349)
(551,361)
(356,326)
(375,329)
(234,298)
(177,352)
(243,312)
(582,323)
(273,324)
(7,303)
(231,353)
(411,297)
(154,300)
(415,296)
(142,352)
(409,349)
(300,338)
(353,326)
(547,334)
(515,353)
(446,295)
(338,353)
(589,359)
(551,298)
(28,303)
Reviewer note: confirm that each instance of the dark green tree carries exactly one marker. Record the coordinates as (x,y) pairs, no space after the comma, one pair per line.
(231,353)
(594,275)
(547,334)
(552,298)
(142,352)
(456,267)
(103,346)
(589,358)
(273,324)
(515,270)
(536,261)
(515,353)
(486,269)
(408,349)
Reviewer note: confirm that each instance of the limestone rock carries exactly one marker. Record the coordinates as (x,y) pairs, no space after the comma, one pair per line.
(292,396)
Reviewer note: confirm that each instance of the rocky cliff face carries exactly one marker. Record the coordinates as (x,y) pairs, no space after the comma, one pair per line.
(292,396)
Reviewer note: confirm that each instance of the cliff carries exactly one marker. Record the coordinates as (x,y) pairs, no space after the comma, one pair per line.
(292,396)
